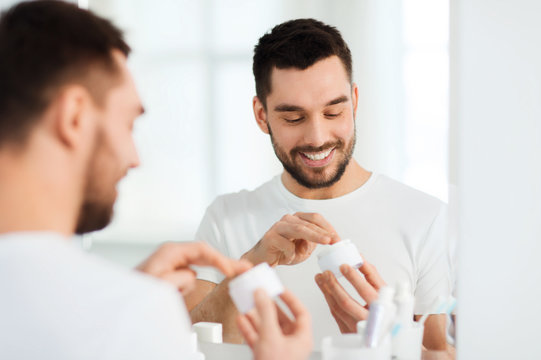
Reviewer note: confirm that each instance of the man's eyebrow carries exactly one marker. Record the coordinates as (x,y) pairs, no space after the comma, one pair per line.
(287,107)
(338,100)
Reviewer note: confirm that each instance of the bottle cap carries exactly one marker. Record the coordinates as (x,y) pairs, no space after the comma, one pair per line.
(386,294)
(333,256)
(242,288)
(403,289)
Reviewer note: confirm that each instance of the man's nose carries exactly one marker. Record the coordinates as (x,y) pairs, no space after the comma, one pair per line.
(315,132)
(134,159)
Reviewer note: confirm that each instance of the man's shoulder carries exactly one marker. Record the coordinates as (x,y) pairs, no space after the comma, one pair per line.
(406,197)
(129,282)
(80,290)
(244,199)
(77,272)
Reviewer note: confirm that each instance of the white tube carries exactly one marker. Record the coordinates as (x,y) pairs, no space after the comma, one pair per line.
(380,317)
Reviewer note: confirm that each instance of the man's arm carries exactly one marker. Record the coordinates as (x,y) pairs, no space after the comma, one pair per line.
(435,337)
(211,302)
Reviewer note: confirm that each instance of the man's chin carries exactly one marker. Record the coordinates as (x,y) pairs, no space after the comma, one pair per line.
(314,181)
(93,218)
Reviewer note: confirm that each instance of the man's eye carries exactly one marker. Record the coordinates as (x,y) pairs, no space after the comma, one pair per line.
(292,121)
(333,115)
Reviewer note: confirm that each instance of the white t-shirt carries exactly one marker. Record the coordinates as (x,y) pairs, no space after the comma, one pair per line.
(398,229)
(57,302)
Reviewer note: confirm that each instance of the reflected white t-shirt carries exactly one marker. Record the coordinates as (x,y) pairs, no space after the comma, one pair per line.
(59,303)
(397,228)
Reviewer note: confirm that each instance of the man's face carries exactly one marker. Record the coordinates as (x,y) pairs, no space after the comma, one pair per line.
(114,152)
(311,120)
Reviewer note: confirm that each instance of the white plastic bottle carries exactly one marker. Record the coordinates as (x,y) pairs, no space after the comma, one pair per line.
(404,305)
(407,335)
(195,354)
(380,318)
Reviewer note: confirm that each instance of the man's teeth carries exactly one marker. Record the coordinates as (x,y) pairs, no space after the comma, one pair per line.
(318,156)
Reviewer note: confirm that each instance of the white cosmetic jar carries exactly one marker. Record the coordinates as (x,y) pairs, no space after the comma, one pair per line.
(342,252)
(242,288)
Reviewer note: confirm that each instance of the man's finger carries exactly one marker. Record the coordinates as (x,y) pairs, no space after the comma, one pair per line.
(293,231)
(254,319)
(343,299)
(319,220)
(184,280)
(284,320)
(198,253)
(267,311)
(303,247)
(368,292)
(295,219)
(342,318)
(247,330)
(241,266)
(298,310)
(287,249)
(372,275)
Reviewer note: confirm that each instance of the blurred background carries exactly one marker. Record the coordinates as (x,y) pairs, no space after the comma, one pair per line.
(192,62)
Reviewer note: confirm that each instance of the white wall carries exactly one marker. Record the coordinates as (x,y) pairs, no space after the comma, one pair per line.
(496,110)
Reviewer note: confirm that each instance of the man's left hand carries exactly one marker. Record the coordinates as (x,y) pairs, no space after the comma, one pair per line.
(346,310)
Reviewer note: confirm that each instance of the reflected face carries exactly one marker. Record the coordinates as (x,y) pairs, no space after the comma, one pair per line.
(310,118)
(114,152)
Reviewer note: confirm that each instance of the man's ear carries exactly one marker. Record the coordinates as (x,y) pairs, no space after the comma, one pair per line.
(354,98)
(260,115)
(72,115)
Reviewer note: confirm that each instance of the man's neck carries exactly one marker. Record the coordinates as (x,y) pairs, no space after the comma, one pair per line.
(354,177)
(33,198)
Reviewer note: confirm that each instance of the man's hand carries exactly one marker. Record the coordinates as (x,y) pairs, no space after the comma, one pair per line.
(292,239)
(172,260)
(271,334)
(345,310)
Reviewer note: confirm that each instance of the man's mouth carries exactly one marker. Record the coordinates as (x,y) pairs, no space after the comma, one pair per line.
(317,159)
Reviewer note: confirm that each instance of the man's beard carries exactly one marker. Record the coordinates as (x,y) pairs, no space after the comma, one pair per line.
(318,182)
(96,210)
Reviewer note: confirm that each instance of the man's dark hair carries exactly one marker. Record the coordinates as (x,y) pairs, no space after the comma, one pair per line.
(45,45)
(296,44)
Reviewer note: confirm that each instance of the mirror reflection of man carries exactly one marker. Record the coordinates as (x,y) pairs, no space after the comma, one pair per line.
(67,108)
(306,102)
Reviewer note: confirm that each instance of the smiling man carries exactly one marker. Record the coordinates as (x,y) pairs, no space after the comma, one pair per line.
(306,102)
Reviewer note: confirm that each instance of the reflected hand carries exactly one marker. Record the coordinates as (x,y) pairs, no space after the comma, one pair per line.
(172,260)
(292,239)
(271,334)
(345,310)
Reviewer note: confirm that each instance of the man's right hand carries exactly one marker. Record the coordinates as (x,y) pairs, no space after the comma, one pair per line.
(171,262)
(292,240)
(271,334)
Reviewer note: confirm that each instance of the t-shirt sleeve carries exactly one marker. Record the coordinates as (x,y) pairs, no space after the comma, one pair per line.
(154,325)
(210,232)
(434,269)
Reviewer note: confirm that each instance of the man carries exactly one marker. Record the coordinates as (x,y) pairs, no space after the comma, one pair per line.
(306,102)
(67,107)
